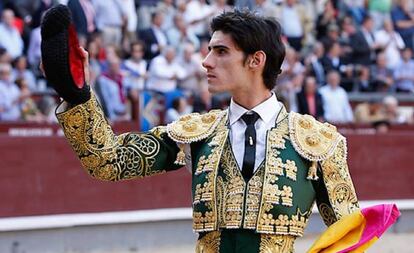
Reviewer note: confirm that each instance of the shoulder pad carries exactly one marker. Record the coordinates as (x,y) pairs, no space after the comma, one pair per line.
(312,139)
(194,127)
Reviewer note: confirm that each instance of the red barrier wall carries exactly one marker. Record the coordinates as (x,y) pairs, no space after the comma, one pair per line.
(41,175)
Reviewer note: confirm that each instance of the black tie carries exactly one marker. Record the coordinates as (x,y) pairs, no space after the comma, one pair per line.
(249,145)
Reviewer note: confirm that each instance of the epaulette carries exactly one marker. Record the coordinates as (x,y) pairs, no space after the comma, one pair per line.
(313,140)
(194,127)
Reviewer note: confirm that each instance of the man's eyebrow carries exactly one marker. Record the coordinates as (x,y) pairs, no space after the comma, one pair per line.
(217,47)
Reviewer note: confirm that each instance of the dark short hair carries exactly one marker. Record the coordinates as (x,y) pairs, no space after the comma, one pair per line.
(252,33)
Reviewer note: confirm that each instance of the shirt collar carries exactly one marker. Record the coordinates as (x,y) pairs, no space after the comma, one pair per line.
(266,110)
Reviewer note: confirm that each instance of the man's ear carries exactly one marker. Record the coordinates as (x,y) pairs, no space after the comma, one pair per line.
(257,59)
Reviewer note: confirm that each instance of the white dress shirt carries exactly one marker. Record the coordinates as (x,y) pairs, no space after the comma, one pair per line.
(336,104)
(268,111)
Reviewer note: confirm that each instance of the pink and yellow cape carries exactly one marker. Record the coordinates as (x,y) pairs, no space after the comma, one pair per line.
(357,231)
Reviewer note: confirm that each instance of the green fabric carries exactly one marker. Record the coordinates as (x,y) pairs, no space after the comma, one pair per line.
(239,241)
(383,6)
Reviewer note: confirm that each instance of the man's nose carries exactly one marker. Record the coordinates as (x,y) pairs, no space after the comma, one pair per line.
(208,61)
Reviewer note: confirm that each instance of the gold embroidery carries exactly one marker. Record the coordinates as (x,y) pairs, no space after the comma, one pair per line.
(287,195)
(210,243)
(283,224)
(311,139)
(103,154)
(327,214)
(195,127)
(291,169)
(338,183)
(276,244)
(254,193)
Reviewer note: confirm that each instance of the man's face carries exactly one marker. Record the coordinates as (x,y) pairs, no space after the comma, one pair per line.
(226,71)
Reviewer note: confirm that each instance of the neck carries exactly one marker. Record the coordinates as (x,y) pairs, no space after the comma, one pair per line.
(245,98)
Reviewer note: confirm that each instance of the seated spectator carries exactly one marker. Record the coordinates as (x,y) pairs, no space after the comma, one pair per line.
(381,75)
(332,60)
(178,109)
(314,65)
(310,100)
(335,100)
(196,15)
(20,71)
(404,73)
(135,67)
(10,96)
(327,18)
(191,81)
(166,7)
(180,35)
(392,112)
(391,43)
(29,110)
(369,112)
(382,126)
(265,8)
(363,80)
(164,72)
(10,38)
(112,91)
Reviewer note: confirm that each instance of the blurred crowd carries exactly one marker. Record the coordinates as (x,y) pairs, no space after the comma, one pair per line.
(154,48)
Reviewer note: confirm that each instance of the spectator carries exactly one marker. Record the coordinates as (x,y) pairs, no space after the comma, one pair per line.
(180,35)
(380,11)
(403,19)
(191,81)
(112,89)
(332,60)
(266,8)
(34,51)
(295,22)
(314,63)
(111,17)
(220,6)
(404,73)
(392,112)
(10,38)
(382,76)
(335,100)
(356,8)
(310,100)
(31,11)
(136,67)
(94,62)
(166,7)
(83,15)
(197,15)
(369,112)
(20,71)
(10,96)
(130,24)
(332,36)
(154,38)
(327,18)
(178,109)
(363,43)
(29,110)
(363,81)
(164,72)
(391,42)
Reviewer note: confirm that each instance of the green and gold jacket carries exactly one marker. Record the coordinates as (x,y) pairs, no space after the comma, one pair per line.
(305,161)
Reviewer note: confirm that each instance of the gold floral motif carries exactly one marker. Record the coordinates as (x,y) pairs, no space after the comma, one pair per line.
(283,224)
(338,183)
(254,194)
(327,214)
(103,154)
(210,243)
(276,243)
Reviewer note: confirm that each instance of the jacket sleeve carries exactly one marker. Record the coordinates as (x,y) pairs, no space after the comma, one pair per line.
(111,157)
(335,193)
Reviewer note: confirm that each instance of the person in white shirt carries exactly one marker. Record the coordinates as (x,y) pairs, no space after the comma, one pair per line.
(135,67)
(10,96)
(10,38)
(391,41)
(164,72)
(335,100)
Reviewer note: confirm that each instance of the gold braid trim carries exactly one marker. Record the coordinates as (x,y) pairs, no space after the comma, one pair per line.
(313,140)
(103,154)
(194,127)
